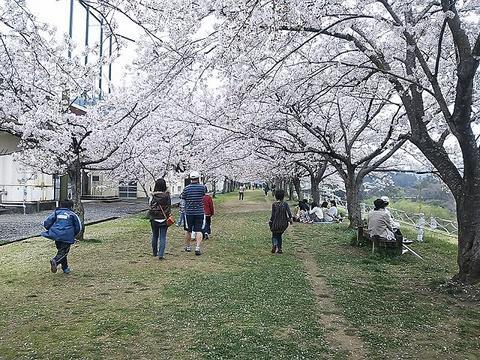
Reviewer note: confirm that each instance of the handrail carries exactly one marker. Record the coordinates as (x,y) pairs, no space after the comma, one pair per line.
(438,225)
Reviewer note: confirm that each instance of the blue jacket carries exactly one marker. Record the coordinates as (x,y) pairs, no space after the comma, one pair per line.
(62,225)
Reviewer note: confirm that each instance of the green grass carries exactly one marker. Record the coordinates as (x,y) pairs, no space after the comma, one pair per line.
(419,207)
(398,304)
(235,301)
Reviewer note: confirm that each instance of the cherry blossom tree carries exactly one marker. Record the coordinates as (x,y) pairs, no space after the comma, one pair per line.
(428,52)
(34,67)
(288,68)
(67,143)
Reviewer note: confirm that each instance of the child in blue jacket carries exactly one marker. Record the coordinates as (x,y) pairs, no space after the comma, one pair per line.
(63,225)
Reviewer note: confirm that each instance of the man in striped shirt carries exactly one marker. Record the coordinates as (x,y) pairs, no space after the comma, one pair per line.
(194,213)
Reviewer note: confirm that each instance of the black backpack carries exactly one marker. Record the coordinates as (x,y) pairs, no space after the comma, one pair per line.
(156,210)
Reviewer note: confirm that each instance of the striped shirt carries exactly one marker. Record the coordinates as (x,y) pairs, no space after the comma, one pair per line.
(193,195)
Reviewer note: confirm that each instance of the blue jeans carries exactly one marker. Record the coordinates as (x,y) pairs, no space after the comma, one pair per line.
(181,219)
(277,240)
(159,237)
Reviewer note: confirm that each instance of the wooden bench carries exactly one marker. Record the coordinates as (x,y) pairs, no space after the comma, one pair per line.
(395,247)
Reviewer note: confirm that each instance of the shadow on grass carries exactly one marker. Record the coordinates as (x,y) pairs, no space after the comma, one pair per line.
(91,241)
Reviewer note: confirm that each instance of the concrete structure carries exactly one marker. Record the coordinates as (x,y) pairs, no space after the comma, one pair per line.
(21,186)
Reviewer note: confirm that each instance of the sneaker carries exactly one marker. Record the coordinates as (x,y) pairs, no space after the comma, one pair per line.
(161,258)
(198,252)
(53,266)
(188,248)
(67,270)
(274,249)
(206,236)
(279,251)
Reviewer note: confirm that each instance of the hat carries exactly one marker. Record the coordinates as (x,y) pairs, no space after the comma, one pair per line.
(194,175)
(385,199)
(379,204)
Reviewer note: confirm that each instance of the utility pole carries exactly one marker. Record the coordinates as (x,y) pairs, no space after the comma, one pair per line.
(87,25)
(70,29)
(101,58)
(110,65)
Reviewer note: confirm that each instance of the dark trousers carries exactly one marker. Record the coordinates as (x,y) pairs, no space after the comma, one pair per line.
(208,225)
(240,196)
(277,240)
(62,251)
(159,237)
(398,235)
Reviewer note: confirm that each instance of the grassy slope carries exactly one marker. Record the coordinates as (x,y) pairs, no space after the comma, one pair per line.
(236,300)
(413,207)
(120,302)
(396,303)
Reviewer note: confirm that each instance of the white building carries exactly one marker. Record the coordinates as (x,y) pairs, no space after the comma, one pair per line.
(20,186)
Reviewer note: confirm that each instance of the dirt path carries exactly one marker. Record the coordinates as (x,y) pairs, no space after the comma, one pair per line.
(341,338)
(252,202)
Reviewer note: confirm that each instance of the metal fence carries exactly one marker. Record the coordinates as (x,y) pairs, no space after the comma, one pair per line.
(418,221)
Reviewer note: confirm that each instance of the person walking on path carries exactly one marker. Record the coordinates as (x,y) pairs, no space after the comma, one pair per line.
(273,190)
(279,220)
(194,212)
(209,212)
(160,208)
(181,213)
(62,226)
(241,191)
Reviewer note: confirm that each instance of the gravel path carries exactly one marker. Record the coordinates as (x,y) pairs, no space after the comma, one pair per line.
(15,227)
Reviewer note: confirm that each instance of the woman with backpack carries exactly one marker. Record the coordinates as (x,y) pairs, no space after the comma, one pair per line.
(279,220)
(160,208)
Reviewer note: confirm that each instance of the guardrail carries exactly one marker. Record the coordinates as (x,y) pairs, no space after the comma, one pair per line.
(419,221)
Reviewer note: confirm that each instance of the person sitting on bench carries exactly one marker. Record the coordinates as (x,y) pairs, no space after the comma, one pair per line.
(395,224)
(379,222)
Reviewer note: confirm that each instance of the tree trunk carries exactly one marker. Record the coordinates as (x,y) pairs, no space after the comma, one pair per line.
(353,203)
(85,183)
(225,184)
(290,190)
(278,184)
(314,182)
(214,189)
(144,188)
(468,217)
(298,190)
(75,174)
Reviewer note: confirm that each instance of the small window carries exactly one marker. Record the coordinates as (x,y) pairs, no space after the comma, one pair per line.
(95,178)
